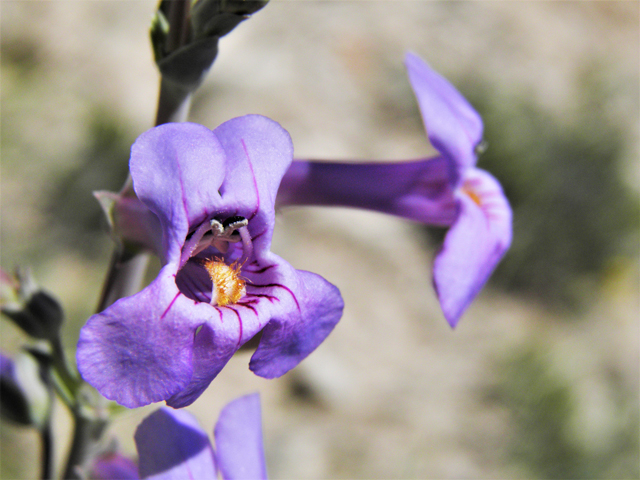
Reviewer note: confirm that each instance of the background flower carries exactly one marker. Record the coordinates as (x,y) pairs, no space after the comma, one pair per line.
(171,444)
(443,191)
(481,233)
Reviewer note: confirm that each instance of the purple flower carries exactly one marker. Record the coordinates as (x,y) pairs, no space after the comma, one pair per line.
(25,393)
(113,466)
(213,194)
(447,190)
(172,446)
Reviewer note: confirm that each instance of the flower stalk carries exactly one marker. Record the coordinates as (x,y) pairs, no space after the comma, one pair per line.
(46,440)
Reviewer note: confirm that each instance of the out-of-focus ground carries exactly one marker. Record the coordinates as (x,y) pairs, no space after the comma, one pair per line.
(540,379)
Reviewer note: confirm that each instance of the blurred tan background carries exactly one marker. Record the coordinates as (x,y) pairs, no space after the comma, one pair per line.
(539,380)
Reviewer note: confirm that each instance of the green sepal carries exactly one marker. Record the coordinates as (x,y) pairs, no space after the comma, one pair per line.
(185,55)
(159,32)
(33,310)
(216,18)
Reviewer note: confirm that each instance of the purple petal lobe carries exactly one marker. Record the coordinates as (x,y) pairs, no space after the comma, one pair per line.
(277,294)
(453,126)
(292,335)
(474,245)
(7,368)
(418,190)
(138,350)
(258,152)
(114,466)
(177,170)
(212,350)
(238,435)
(172,446)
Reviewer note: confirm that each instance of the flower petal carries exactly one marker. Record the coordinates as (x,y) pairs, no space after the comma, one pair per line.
(113,466)
(474,245)
(292,335)
(172,446)
(211,352)
(177,170)
(138,350)
(453,126)
(417,190)
(238,434)
(258,152)
(279,297)
(7,368)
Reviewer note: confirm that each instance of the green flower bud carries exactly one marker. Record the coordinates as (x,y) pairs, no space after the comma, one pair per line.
(33,310)
(185,50)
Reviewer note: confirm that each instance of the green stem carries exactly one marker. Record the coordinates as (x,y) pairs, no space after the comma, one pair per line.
(46,440)
(174,103)
(179,27)
(70,380)
(86,435)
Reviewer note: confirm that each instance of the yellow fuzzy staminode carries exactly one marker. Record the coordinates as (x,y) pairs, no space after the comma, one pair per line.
(228,286)
(468,189)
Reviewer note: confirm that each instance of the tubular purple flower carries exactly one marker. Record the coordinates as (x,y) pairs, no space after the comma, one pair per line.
(172,446)
(213,193)
(419,191)
(447,190)
(481,233)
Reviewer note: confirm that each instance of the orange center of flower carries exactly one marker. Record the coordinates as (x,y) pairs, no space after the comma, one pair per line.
(228,286)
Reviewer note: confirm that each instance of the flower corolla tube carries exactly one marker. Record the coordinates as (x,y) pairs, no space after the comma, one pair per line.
(212,193)
(447,190)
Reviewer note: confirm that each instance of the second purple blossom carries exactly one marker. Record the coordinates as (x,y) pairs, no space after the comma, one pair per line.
(446,190)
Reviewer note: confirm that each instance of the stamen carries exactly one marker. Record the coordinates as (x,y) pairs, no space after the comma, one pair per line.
(234,223)
(194,245)
(213,233)
(228,286)
(247,244)
(226,232)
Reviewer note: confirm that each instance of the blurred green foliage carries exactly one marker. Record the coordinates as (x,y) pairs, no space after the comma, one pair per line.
(59,168)
(543,412)
(573,214)
(102,165)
